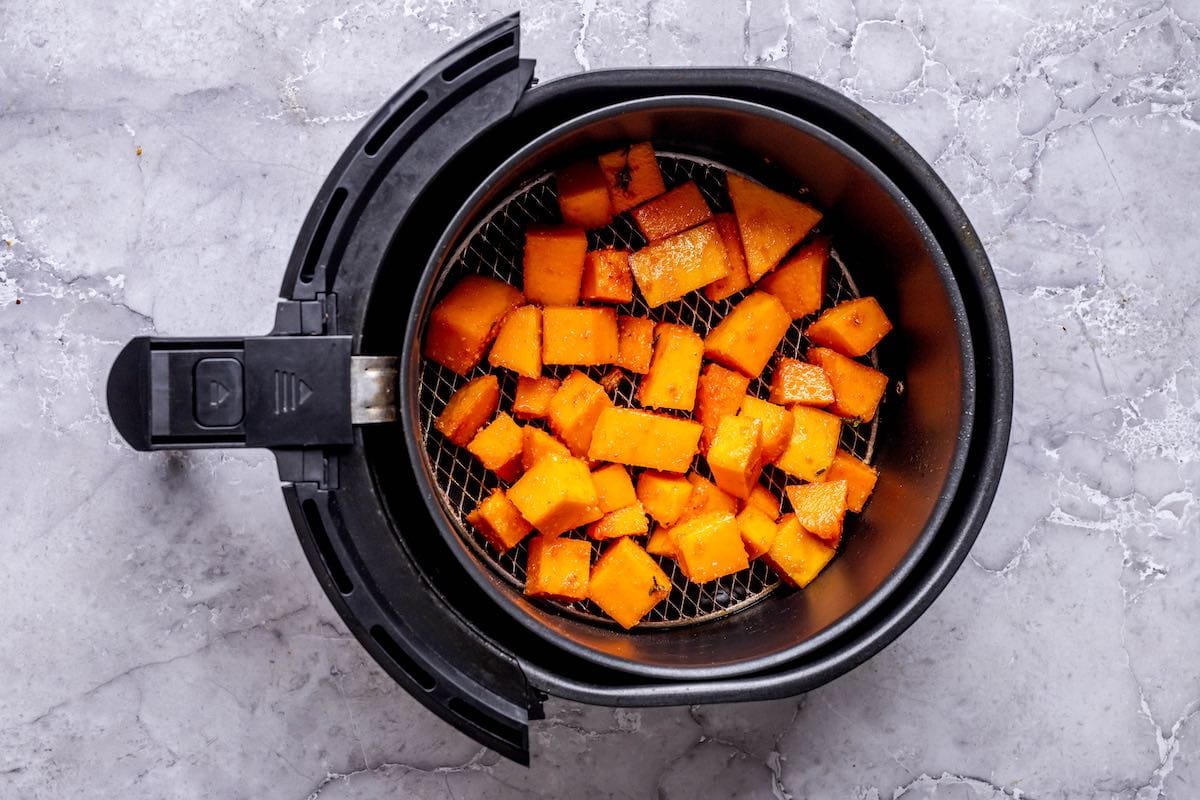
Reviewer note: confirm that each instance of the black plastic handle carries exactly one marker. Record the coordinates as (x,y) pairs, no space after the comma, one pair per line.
(265,391)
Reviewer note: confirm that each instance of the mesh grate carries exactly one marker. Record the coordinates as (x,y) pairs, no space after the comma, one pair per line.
(494,248)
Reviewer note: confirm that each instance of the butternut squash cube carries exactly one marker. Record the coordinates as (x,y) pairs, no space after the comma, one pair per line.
(735,457)
(757,529)
(574,410)
(558,568)
(749,334)
(814,441)
(770,223)
(498,447)
(674,370)
(709,546)
(499,521)
(518,343)
(664,495)
(635,343)
(852,328)
(462,324)
(857,388)
(632,176)
(583,195)
(670,268)
(799,282)
(536,444)
(859,476)
(796,555)
(820,509)
(532,400)
(472,405)
(719,394)
(606,277)
(707,497)
(679,209)
(628,521)
(660,544)
(556,494)
(797,382)
(762,499)
(738,278)
(776,425)
(626,583)
(553,264)
(614,488)
(586,336)
(644,439)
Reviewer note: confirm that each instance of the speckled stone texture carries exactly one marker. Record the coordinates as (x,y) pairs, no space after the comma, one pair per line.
(164,636)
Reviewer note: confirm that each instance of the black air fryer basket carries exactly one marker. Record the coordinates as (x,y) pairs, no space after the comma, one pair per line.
(440,183)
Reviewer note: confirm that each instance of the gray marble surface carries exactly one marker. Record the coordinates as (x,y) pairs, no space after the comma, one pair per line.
(163,636)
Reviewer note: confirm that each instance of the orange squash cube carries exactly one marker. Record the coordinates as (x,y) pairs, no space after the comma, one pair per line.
(644,439)
(757,529)
(709,546)
(674,370)
(583,195)
(820,509)
(719,394)
(735,457)
(553,264)
(664,495)
(776,425)
(859,476)
(749,334)
(799,282)
(738,278)
(574,410)
(797,382)
(532,400)
(556,495)
(498,447)
(796,555)
(462,324)
(614,487)
(586,336)
(857,388)
(518,344)
(558,568)
(635,343)
(499,521)
(536,444)
(626,583)
(770,223)
(852,328)
(707,497)
(606,277)
(628,521)
(660,544)
(472,405)
(670,268)
(632,176)
(679,209)
(814,441)
(762,499)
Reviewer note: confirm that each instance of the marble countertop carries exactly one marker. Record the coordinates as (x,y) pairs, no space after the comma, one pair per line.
(164,636)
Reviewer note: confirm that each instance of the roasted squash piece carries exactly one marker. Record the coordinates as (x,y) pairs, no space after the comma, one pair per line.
(499,521)
(799,282)
(762,499)
(632,176)
(635,343)
(852,328)
(644,439)
(612,379)
(859,476)
(586,336)
(814,441)
(668,269)
(518,344)
(583,195)
(536,444)
(558,568)
(664,495)
(797,382)
(735,457)
(776,424)
(796,555)
(679,209)
(553,264)
(757,529)
(709,546)
(719,394)
(628,521)
(498,447)
(749,334)
(738,278)
(674,370)
(574,410)
(626,583)
(820,509)
(707,497)
(606,277)
(462,324)
(472,405)
(770,223)
(857,389)
(532,400)
(660,544)
(614,487)
(556,494)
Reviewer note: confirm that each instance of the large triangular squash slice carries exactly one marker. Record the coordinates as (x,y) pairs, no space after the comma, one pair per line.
(770,223)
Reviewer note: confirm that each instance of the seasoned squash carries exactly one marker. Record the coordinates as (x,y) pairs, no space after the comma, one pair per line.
(735,457)
(757,529)
(776,424)
(558,568)
(738,278)
(635,343)
(813,443)
(574,410)
(797,382)
(536,444)
(719,394)
(770,223)
(664,495)
(852,328)
(632,176)
(583,195)
(532,400)
(553,264)
(644,439)
(585,336)
(660,544)
(709,546)
(799,282)
(679,209)
(614,488)
(707,497)
(674,370)
(796,555)
(472,405)
(462,324)
(556,495)
(668,269)
(499,521)
(606,277)
(628,521)
(518,344)
(820,508)
(859,476)
(498,447)
(762,499)
(626,583)
(857,388)
(749,334)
